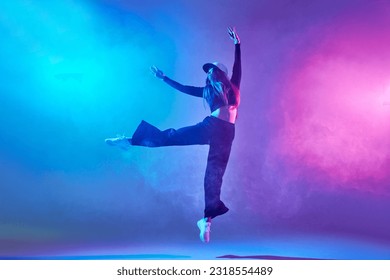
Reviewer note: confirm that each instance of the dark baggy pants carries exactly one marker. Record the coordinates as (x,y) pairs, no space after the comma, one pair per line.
(211,131)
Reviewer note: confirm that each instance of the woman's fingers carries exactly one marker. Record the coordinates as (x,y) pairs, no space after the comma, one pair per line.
(157,72)
(153,69)
(230,31)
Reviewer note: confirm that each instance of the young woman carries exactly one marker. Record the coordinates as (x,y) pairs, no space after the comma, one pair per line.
(217,130)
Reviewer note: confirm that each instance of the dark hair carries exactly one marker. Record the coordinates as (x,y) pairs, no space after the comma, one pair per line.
(217,86)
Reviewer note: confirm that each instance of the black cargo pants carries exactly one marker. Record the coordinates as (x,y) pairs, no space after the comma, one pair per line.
(216,133)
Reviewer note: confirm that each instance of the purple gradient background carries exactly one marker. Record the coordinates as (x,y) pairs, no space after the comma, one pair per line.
(312,148)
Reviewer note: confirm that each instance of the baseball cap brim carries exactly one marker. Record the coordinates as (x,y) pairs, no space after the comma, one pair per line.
(208,66)
(215,65)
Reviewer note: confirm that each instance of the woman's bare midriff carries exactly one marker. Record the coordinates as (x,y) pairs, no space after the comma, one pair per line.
(226,113)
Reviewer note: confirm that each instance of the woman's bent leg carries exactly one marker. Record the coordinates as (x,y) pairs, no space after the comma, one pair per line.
(218,158)
(216,166)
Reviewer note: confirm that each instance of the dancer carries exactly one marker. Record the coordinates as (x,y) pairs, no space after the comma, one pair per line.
(217,130)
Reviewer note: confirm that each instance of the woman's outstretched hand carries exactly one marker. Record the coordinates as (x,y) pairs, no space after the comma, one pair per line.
(157,72)
(233,35)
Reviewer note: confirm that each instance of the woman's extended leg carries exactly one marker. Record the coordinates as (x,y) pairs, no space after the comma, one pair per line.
(150,136)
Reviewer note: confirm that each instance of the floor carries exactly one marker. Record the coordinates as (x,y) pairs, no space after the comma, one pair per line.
(272,248)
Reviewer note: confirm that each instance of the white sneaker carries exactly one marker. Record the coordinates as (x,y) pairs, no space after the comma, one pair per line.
(122,142)
(204,228)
